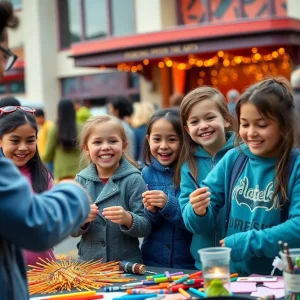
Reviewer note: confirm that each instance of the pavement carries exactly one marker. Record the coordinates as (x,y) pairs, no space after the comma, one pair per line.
(68,248)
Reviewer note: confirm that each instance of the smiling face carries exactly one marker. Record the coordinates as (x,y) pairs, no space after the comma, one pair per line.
(20,144)
(105,148)
(164,142)
(260,133)
(206,126)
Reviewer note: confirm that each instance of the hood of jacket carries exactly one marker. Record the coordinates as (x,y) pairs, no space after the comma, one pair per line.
(230,135)
(155,164)
(125,169)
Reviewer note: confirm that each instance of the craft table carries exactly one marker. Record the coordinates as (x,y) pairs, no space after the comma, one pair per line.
(111,295)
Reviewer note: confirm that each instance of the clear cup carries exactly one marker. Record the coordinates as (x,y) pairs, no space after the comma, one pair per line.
(215,270)
(291,273)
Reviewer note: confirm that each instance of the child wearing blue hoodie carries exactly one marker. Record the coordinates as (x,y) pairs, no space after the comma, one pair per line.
(169,242)
(266,186)
(207,137)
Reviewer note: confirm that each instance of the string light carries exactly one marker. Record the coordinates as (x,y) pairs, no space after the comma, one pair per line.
(146,61)
(181,66)
(161,64)
(169,63)
(139,67)
(134,69)
(202,74)
(224,67)
(199,63)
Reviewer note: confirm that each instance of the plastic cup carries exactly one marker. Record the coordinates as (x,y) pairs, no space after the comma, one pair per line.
(291,273)
(216,271)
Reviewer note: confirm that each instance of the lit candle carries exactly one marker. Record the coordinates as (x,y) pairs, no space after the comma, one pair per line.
(218,274)
(215,265)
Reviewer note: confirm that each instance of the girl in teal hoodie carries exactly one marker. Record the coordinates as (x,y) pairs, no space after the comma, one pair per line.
(207,137)
(266,185)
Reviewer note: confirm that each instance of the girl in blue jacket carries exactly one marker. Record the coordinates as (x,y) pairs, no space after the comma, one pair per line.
(266,185)
(169,242)
(207,137)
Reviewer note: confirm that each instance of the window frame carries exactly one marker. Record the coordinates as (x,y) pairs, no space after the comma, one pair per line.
(8,84)
(82,21)
(127,91)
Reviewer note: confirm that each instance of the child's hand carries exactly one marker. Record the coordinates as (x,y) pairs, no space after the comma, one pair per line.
(149,207)
(92,215)
(222,243)
(200,200)
(118,215)
(156,198)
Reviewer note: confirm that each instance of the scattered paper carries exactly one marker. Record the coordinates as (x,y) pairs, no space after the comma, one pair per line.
(275,285)
(242,287)
(264,291)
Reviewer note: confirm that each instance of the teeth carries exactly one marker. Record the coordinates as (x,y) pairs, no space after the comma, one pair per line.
(164,154)
(255,143)
(205,134)
(106,156)
(19,155)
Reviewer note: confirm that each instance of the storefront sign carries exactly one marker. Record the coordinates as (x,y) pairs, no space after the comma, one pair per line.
(161,51)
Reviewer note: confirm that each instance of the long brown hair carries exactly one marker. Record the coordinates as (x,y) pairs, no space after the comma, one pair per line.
(66,125)
(273,98)
(189,146)
(87,130)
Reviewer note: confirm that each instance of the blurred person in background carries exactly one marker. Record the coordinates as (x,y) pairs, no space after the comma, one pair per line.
(295,82)
(44,128)
(28,221)
(176,99)
(122,108)
(9,101)
(82,112)
(143,111)
(232,98)
(61,147)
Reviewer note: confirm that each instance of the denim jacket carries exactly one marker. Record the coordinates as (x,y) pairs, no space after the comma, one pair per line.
(103,238)
(168,245)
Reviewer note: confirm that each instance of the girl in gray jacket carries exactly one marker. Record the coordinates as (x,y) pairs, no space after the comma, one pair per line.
(117,219)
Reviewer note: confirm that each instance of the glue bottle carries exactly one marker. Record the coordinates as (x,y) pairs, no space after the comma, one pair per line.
(277,264)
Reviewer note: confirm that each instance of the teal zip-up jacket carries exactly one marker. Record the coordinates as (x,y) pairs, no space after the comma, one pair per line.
(205,163)
(254,221)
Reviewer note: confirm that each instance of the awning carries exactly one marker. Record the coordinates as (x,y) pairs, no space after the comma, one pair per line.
(185,40)
(16,73)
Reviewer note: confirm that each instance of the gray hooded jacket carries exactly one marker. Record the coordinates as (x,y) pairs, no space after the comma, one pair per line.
(102,238)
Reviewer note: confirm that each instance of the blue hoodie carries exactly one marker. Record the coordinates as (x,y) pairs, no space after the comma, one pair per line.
(35,222)
(205,163)
(254,222)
